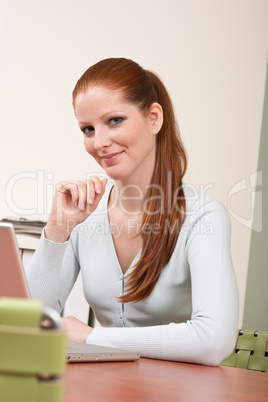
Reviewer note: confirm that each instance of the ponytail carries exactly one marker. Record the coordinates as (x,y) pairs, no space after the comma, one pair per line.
(166,196)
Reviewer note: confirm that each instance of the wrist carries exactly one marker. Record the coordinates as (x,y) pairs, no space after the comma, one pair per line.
(56,233)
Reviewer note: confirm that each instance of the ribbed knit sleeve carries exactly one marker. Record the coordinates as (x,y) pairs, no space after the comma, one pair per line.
(46,279)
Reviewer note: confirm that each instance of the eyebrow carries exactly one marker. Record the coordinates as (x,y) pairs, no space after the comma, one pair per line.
(113,112)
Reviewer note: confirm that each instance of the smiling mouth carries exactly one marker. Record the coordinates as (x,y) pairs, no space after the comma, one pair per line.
(109,159)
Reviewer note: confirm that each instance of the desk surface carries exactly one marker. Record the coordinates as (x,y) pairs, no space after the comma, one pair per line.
(154,381)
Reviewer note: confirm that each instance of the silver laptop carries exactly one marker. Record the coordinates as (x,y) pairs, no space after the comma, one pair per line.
(13,284)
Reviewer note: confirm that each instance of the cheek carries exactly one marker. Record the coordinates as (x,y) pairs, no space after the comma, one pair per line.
(89,146)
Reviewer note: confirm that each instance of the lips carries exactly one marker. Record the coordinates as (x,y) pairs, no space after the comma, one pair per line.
(111,158)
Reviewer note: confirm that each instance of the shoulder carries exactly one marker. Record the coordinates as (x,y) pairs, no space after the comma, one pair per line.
(200,203)
(204,210)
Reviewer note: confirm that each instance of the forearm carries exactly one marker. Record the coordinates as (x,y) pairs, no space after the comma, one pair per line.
(43,275)
(178,342)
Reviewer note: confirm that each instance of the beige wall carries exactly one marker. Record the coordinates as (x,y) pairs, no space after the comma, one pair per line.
(211,55)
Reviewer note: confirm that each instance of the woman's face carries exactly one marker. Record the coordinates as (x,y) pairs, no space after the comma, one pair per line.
(117,134)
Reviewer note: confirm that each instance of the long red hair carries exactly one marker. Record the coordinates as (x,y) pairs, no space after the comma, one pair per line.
(165,212)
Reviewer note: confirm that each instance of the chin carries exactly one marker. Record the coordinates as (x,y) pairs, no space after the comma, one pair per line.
(115,176)
(115,173)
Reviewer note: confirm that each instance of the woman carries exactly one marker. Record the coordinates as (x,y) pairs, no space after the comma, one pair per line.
(154,254)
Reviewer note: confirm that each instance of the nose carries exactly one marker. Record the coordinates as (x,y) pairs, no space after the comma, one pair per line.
(101,139)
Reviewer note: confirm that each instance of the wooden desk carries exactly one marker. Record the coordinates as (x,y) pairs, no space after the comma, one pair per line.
(155,381)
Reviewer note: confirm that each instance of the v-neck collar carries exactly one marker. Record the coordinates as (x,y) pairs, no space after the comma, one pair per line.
(110,242)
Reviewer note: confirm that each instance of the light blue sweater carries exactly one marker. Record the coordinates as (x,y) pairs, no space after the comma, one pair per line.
(192,313)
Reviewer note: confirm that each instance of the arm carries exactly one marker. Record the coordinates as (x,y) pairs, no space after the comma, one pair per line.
(54,267)
(46,279)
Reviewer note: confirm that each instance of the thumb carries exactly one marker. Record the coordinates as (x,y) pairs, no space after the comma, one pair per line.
(103,185)
(99,195)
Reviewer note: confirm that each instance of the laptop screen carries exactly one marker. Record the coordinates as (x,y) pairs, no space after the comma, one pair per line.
(12,278)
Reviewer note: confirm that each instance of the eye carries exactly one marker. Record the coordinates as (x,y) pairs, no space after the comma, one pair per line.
(115,120)
(88,130)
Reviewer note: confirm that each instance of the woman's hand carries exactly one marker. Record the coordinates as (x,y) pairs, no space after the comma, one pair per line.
(77,331)
(73,202)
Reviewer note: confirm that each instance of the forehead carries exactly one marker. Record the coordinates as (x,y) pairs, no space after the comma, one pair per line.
(99,99)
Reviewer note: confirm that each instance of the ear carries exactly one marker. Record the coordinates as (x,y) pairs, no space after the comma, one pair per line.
(155,117)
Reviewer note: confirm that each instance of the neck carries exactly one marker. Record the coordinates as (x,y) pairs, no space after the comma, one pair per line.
(130,195)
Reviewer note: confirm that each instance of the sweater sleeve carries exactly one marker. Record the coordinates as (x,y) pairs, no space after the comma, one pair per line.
(52,273)
(209,336)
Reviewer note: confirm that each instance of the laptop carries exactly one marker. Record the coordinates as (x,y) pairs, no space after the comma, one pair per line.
(13,283)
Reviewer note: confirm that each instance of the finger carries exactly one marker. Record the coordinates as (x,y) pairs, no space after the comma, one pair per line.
(69,189)
(78,191)
(94,187)
(98,186)
(91,192)
(100,194)
(46,324)
(103,184)
(82,193)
